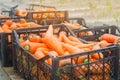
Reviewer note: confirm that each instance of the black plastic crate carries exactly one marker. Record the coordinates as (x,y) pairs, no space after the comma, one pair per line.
(80,21)
(97,31)
(19,66)
(10,11)
(32,69)
(62,15)
(31,7)
(52,21)
(6,44)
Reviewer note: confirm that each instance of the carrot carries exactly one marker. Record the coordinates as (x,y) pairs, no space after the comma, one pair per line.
(23,43)
(71,49)
(49,31)
(90,46)
(99,77)
(23,13)
(21,40)
(79,73)
(9,38)
(13,26)
(24,25)
(43,35)
(32,46)
(38,54)
(66,40)
(71,25)
(87,33)
(97,68)
(67,61)
(56,30)
(33,24)
(97,55)
(61,35)
(43,49)
(1,30)
(5,28)
(109,38)
(8,22)
(22,20)
(54,54)
(86,49)
(52,42)
(74,39)
(82,59)
(35,16)
(103,44)
(76,24)
(34,38)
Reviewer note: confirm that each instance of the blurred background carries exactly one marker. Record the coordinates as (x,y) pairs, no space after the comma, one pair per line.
(95,12)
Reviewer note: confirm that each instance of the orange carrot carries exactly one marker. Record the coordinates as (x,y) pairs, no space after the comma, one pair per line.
(13,26)
(66,61)
(32,46)
(86,49)
(33,24)
(53,42)
(97,68)
(43,49)
(52,53)
(23,43)
(90,46)
(38,54)
(103,43)
(97,55)
(71,49)
(8,22)
(71,25)
(74,39)
(66,40)
(82,59)
(61,35)
(21,40)
(1,30)
(5,28)
(34,38)
(109,38)
(79,72)
(22,20)
(56,30)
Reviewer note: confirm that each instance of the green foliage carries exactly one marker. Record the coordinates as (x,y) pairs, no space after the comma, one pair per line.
(41,1)
(103,13)
(109,5)
(91,5)
(58,72)
(116,16)
(62,1)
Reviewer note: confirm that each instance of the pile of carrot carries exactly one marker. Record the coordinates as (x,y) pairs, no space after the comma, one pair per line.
(22,13)
(79,27)
(48,15)
(9,25)
(60,45)
(110,38)
(3,16)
